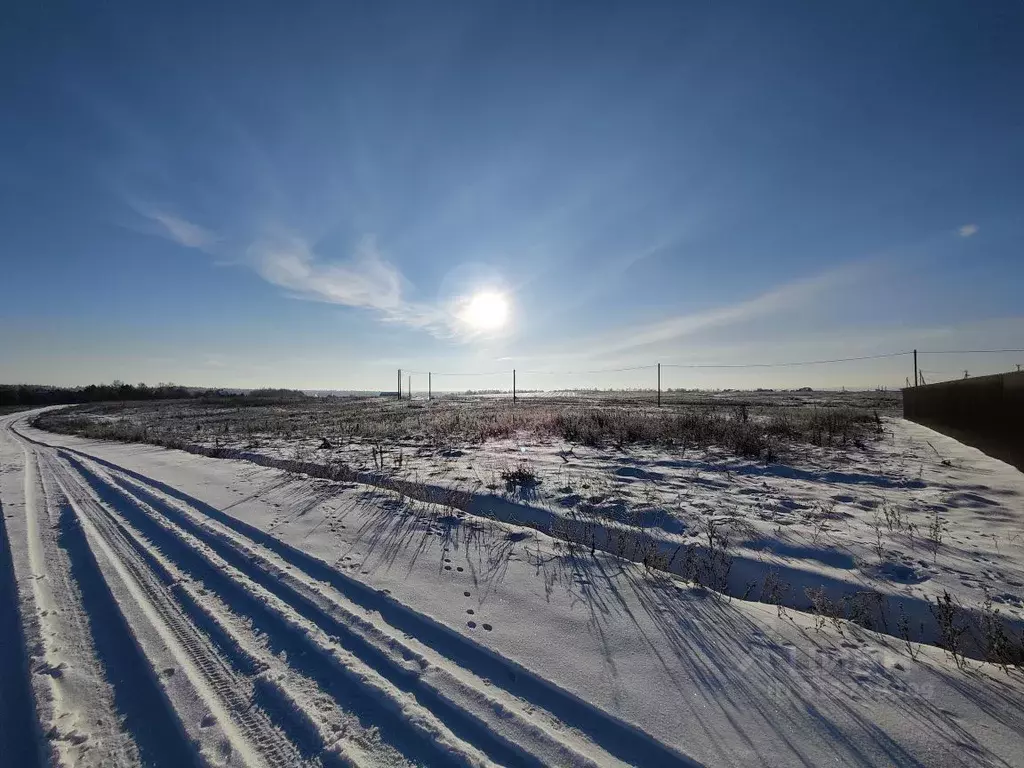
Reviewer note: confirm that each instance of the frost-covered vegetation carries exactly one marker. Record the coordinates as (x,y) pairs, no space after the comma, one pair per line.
(753,425)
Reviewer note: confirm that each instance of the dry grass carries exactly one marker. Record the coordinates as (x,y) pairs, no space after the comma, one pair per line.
(762,426)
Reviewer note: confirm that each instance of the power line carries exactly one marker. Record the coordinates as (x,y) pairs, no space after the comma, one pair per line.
(791,364)
(536,373)
(469,373)
(600,370)
(969,351)
(784,365)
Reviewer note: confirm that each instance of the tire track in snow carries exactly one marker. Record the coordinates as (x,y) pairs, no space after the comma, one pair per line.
(65,654)
(147,714)
(90,513)
(251,736)
(499,724)
(414,730)
(523,726)
(155,734)
(249,549)
(274,686)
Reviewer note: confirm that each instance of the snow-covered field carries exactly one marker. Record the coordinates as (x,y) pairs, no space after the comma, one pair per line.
(875,521)
(885,528)
(492,604)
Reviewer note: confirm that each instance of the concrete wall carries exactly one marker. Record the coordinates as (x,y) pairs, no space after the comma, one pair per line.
(986,412)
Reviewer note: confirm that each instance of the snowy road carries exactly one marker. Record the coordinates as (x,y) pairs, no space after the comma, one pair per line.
(163,629)
(268,665)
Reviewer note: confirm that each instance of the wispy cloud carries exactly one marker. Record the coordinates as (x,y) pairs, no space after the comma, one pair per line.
(184,232)
(364,280)
(788,297)
(967,230)
(173,227)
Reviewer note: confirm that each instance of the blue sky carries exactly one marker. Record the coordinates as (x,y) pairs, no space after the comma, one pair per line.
(307,194)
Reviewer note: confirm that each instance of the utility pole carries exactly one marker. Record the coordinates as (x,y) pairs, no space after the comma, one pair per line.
(916,378)
(659,385)
(429,375)
(399,383)
(513,386)
(410,386)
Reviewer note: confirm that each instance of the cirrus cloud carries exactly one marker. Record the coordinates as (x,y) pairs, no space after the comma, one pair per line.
(363,280)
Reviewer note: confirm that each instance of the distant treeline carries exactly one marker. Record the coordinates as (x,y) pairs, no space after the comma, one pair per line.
(38,395)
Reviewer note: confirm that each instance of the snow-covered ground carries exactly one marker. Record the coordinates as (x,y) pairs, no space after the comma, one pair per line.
(878,530)
(178,609)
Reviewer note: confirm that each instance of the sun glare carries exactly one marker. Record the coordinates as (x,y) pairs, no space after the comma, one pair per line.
(486,311)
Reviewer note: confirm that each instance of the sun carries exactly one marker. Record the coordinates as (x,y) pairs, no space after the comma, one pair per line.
(486,311)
